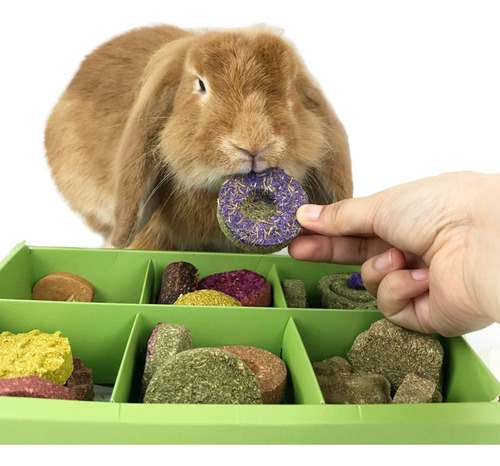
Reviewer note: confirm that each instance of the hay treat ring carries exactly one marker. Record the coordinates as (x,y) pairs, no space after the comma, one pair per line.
(257,211)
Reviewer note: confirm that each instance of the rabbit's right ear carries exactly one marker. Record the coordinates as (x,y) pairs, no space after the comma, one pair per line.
(137,168)
(333,180)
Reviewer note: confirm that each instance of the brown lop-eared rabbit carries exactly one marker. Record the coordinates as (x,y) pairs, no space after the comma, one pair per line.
(156,119)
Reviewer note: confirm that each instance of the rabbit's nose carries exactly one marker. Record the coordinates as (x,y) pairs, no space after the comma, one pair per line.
(253,152)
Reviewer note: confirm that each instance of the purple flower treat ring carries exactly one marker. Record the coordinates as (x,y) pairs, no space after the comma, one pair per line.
(257,211)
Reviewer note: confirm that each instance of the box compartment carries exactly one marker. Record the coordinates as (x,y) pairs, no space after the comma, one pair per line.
(310,273)
(328,334)
(206,265)
(117,277)
(212,327)
(97,333)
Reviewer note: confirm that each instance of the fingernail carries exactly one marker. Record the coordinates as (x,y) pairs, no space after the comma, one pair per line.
(309,212)
(384,262)
(420,274)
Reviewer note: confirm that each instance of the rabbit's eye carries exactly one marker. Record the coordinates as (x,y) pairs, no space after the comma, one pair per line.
(201,84)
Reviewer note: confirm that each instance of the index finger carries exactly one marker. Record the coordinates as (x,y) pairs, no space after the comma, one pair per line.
(336,249)
(350,217)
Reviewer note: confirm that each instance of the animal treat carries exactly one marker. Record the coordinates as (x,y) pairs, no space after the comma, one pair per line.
(249,288)
(332,366)
(355,388)
(417,389)
(295,292)
(165,341)
(207,298)
(43,354)
(342,291)
(80,383)
(32,386)
(393,351)
(204,375)
(179,278)
(341,385)
(63,286)
(268,368)
(257,211)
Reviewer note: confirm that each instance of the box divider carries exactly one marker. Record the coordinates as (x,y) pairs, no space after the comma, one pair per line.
(147,293)
(13,252)
(129,364)
(17,273)
(274,279)
(305,386)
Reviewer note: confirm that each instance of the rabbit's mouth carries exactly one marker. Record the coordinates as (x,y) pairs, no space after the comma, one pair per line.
(252,163)
(248,156)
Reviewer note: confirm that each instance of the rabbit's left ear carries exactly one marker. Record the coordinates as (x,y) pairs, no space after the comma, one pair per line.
(335,175)
(137,168)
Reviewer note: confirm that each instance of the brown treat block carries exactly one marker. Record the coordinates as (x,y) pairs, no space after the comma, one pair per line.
(33,386)
(204,376)
(268,368)
(355,388)
(80,383)
(63,286)
(332,366)
(179,278)
(417,389)
(393,351)
(295,292)
(165,341)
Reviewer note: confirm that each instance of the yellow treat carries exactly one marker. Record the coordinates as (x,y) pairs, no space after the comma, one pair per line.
(207,298)
(43,354)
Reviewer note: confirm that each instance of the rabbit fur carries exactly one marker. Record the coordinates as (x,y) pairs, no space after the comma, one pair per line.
(156,119)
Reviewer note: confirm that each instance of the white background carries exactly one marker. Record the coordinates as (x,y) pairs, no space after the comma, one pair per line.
(416,84)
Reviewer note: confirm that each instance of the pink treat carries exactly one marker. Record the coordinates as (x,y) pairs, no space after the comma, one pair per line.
(33,386)
(80,383)
(249,288)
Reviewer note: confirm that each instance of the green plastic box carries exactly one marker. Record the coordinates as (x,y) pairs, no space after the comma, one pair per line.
(110,336)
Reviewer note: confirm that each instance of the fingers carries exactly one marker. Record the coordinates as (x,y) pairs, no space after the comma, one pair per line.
(397,290)
(376,269)
(402,294)
(347,217)
(339,249)
(409,315)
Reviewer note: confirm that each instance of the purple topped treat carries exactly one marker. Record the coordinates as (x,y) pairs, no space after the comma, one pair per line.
(257,211)
(249,288)
(355,282)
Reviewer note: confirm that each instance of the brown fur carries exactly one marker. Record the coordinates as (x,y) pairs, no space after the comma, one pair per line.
(133,131)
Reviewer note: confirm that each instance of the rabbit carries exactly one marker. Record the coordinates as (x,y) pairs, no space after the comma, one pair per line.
(156,119)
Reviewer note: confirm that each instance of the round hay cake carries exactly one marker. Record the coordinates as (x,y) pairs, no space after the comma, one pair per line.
(257,211)
(268,368)
(204,376)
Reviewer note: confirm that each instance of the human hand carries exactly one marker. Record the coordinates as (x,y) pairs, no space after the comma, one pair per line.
(430,249)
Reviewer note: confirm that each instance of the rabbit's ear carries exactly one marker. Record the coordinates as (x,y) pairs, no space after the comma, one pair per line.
(334,175)
(138,168)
